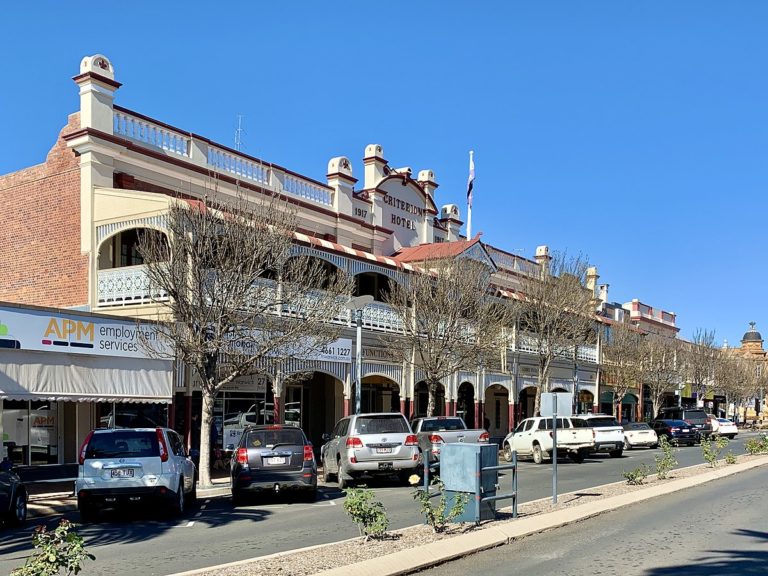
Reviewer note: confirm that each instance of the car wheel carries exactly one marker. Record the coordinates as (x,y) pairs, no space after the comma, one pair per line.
(17,515)
(627,445)
(577,456)
(237,498)
(538,455)
(327,476)
(507,452)
(178,506)
(616,453)
(343,480)
(192,496)
(87,513)
(655,445)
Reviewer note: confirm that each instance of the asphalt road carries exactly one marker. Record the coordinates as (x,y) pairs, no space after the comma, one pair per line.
(215,533)
(715,529)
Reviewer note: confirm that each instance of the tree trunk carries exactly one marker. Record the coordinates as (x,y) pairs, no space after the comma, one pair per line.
(431,403)
(206,419)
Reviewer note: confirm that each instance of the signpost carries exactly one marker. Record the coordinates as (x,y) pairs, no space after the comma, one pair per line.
(550,401)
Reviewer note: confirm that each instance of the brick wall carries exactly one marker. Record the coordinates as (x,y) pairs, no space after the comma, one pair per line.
(40,259)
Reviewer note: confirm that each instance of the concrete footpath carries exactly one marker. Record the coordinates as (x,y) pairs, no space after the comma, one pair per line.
(501,532)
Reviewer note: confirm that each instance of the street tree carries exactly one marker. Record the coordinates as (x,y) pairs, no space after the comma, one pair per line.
(699,357)
(663,371)
(624,361)
(240,300)
(556,313)
(451,320)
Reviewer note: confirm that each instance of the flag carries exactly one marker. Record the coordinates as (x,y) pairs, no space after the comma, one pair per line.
(471,179)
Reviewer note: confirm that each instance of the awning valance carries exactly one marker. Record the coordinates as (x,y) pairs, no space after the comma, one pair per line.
(26,375)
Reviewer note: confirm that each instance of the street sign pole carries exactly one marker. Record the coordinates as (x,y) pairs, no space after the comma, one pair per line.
(554,450)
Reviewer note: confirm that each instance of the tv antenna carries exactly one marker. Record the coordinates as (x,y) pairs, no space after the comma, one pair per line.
(239,131)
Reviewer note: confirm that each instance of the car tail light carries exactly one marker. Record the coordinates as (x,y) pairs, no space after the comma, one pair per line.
(242,456)
(411,440)
(484,437)
(275,427)
(434,439)
(84,446)
(309,455)
(163,446)
(354,442)
(708,421)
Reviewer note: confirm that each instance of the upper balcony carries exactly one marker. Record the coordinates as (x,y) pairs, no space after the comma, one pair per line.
(204,153)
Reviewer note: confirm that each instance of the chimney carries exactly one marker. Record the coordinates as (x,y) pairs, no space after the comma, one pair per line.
(341,180)
(97,91)
(603,293)
(376,168)
(427,181)
(449,217)
(543,258)
(592,277)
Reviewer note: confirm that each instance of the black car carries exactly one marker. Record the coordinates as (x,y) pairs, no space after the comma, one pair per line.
(694,416)
(13,497)
(274,459)
(676,431)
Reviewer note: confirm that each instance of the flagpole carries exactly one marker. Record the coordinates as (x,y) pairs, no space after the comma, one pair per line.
(470,184)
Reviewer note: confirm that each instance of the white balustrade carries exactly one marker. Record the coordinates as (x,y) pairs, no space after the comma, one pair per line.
(239,166)
(151,134)
(306,189)
(587,353)
(379,316)
(126,286)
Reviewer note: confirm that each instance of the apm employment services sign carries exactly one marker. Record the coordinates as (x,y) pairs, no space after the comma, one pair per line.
(47,331)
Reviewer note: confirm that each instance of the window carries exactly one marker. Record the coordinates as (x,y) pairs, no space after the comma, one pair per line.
(123,444)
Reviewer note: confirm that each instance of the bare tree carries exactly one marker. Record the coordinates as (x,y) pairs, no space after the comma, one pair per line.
(623,362)
(662,371)
(699,361)
(240,300)
(556,313)
(451,320)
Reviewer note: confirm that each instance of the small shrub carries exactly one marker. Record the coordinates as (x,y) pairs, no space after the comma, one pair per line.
(712,447)
(757,445)
(438,516)
(369,514)
(638,475)
(730,458)
(667,461)
(60,548)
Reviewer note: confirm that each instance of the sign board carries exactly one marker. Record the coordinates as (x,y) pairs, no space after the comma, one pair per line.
(560,403)
(47,331)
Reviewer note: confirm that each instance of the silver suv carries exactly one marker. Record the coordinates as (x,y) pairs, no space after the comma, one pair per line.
(128,466)
(369,444)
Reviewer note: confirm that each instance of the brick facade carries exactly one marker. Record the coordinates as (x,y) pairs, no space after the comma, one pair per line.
(40,259)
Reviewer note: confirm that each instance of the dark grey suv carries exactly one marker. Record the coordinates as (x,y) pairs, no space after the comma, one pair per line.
(696,417)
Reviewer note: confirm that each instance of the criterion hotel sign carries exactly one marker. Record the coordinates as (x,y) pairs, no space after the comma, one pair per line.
(407,209)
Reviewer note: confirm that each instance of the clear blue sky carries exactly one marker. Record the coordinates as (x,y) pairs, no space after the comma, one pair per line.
(633,132)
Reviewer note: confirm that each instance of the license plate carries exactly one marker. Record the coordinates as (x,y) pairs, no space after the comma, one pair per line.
(383,450)
(273,461)
(122,473)
(686,430)
(385,466)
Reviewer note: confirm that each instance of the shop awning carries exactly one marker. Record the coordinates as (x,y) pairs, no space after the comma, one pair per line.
(49,376)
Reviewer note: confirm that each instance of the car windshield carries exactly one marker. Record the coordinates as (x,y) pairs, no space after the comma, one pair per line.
(601,422)
(724,421)
(442,424)
(269,438)
(123,444)
(680,423)
(636,426)
(383,424)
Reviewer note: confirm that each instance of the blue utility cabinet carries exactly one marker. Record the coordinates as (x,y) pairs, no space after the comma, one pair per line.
(459,471)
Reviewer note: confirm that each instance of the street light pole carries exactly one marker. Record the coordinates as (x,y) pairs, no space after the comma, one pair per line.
(356,305)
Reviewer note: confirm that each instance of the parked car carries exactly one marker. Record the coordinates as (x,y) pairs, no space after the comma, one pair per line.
(727,428)
(639,434)
(13,496)
(608,433)
(436,431)
(369,444)
(534,437)
(273,458)
(693,416)
(676,431)
(127,466)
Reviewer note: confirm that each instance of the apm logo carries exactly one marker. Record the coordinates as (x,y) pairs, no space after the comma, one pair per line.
(69,333)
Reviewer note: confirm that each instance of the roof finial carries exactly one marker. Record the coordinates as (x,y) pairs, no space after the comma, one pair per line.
(752,326)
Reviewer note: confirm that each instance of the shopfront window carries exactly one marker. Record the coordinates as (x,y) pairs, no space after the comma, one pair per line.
(131,415)
(31,432)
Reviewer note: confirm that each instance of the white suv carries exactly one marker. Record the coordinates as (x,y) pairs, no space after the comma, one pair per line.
(128,466)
